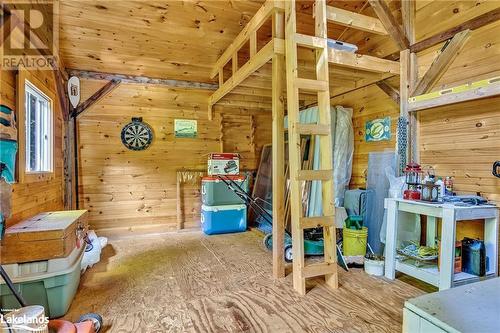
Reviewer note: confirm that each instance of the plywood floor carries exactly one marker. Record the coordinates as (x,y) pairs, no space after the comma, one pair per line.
(188,282)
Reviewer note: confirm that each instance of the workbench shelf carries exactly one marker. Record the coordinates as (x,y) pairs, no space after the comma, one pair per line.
(444,277)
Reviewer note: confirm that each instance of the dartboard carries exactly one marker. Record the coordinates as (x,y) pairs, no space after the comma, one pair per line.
(137,135)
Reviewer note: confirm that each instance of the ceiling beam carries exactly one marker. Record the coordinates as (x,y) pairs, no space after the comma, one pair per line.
(472,24)
(442,63)
(362,62)
(93,75)
(390,24)
(354,20)
(96,97)
(389,90)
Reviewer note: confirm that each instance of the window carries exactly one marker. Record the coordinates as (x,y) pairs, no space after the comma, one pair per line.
(38,111)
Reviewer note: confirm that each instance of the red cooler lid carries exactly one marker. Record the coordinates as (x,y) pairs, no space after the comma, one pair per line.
(215,178)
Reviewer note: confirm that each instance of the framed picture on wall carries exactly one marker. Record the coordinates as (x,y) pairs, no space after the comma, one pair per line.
(185,128)
(378,130)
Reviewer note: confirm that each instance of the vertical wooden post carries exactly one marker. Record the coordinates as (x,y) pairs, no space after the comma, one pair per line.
(253,43)
(294,146)
(278,150)
(180,225)
(325,142)
(221,133)
(69,165)
(234,62)
(410,77)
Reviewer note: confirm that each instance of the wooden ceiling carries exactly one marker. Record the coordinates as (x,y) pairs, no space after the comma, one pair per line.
(183,39)
(164,39)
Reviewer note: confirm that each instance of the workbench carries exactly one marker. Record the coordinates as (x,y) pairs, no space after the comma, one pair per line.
(471,308)
(444,277)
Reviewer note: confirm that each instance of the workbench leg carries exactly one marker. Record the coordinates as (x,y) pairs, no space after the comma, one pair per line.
(447,260)
(491,243)
(391,239)
(431,231)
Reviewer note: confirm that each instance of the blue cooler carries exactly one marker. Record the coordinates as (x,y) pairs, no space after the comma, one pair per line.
(214,192)
(223,219)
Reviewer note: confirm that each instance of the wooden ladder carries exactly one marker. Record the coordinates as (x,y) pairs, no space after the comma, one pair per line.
(328,268)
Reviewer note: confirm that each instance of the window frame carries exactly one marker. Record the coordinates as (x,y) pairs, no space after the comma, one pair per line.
(26,77)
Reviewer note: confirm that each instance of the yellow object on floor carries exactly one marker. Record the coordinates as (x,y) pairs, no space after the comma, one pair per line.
(354,241)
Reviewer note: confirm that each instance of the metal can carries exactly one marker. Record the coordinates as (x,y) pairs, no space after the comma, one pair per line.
(448,184)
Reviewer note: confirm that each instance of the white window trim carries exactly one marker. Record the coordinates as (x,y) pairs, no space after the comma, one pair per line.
(34,78)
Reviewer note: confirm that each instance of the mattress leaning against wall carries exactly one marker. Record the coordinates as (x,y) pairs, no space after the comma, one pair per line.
(343,150)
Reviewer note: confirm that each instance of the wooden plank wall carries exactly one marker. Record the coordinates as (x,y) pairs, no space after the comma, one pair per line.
(31,199)
(136,190)
(447,134)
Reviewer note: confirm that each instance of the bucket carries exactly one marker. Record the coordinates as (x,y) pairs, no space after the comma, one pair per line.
(354,241)
(374,266)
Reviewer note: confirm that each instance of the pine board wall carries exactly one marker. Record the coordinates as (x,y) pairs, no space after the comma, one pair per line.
(135,191)
(459,140)
(33,198)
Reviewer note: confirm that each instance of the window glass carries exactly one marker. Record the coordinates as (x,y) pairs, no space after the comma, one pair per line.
(38,130)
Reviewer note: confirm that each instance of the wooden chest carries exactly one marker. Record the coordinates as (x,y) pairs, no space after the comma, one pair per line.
(44,236)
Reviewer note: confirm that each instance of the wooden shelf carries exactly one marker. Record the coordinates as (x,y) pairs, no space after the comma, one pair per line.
(467,92)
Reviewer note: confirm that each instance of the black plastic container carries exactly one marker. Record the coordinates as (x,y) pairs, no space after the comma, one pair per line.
(473,256)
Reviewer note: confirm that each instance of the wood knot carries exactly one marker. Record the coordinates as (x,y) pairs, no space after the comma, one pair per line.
(455,10)
(479,125)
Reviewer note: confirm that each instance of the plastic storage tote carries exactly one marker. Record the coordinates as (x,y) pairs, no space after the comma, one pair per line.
(214,192)
(223,219)
(49,283)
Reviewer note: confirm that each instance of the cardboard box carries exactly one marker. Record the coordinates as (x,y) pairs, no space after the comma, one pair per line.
(223,164)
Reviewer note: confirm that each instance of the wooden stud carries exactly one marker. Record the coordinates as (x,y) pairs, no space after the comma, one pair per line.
(253,43)
(278,151)
(408,13)
(96,97)
(390,24)
(326,159)
(442,63)
(294,147)
(234,63)
(180,224)
(354,20)
(221,77)
(221,131)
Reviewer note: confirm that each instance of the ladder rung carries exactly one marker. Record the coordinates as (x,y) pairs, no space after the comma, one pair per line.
(318,269)
(310,41)
(315,175)
(316,222)
(311,85)
(313,129)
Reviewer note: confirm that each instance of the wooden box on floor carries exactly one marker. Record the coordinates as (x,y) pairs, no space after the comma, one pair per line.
(44,236)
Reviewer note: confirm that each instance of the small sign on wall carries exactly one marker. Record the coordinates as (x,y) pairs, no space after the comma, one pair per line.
(185,128)
(378,130)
